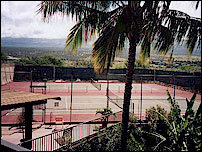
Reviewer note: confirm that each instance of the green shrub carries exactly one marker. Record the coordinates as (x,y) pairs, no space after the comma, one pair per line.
(133,118)
(4,57)
(41,60)
(165,131)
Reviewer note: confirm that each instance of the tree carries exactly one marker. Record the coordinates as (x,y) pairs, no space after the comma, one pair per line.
(114,22)
(41,60)
(4,57)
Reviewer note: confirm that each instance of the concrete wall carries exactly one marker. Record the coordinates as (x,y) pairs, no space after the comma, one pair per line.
(7,73)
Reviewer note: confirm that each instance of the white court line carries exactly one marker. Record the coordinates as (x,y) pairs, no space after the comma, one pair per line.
(66,102)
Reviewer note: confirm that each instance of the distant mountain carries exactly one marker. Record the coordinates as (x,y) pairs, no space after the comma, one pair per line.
(60,43)
(32,42)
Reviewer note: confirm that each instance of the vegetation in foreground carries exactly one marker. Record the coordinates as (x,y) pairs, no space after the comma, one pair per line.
(168,131)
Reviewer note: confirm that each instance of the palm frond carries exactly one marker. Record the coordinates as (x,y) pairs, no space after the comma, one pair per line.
(110,42)
(145,49)
(170,57)
(85,29)
(164,40)
(79,9)
(194,35)
(183,27)
(197,4)
(153,31)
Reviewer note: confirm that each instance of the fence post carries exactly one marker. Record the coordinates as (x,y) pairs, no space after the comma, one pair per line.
(107,91)
(31,81)
(138,110)
(54,73)
(51,143)
(174,84)
(44,109)
(89,129)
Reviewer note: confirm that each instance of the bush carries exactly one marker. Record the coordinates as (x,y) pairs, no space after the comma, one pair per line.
(165,131)
(41,60)
(180,132)
(4,57)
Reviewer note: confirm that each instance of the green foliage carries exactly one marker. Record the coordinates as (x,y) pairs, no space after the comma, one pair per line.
(41,60)
(84,64)
(164,131)
(136,141)
(4,57)
(185,130)
(138,63)
(133,118)
(108,140)
(151,114)
(105,111)
(189,68)
(181,132)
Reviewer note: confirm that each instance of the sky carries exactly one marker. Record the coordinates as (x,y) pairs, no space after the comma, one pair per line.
(19,19)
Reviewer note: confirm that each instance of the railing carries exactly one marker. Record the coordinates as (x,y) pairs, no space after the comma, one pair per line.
(72,134)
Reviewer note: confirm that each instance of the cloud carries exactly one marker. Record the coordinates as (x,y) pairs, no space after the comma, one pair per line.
(187,7)
(19,19)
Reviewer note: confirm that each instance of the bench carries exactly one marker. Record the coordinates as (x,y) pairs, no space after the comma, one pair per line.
(43,88)
(39,86)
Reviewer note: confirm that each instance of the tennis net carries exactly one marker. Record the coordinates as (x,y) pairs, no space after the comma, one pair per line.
(115,99)
(96,84)
(118,101)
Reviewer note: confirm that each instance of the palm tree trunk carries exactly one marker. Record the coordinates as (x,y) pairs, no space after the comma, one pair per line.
(127,94)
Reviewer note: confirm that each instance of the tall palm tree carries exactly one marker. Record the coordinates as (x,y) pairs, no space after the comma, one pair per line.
(140,22)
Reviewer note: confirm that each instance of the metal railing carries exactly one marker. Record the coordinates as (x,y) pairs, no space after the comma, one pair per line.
(72,134)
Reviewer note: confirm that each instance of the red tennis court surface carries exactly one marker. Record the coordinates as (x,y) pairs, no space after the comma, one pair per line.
(87,99)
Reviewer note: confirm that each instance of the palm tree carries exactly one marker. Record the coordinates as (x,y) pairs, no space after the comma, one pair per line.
(145,23)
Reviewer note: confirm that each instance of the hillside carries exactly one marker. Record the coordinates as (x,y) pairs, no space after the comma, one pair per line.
(58,45)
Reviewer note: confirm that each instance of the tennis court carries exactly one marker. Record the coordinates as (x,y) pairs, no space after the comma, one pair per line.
(86,99)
